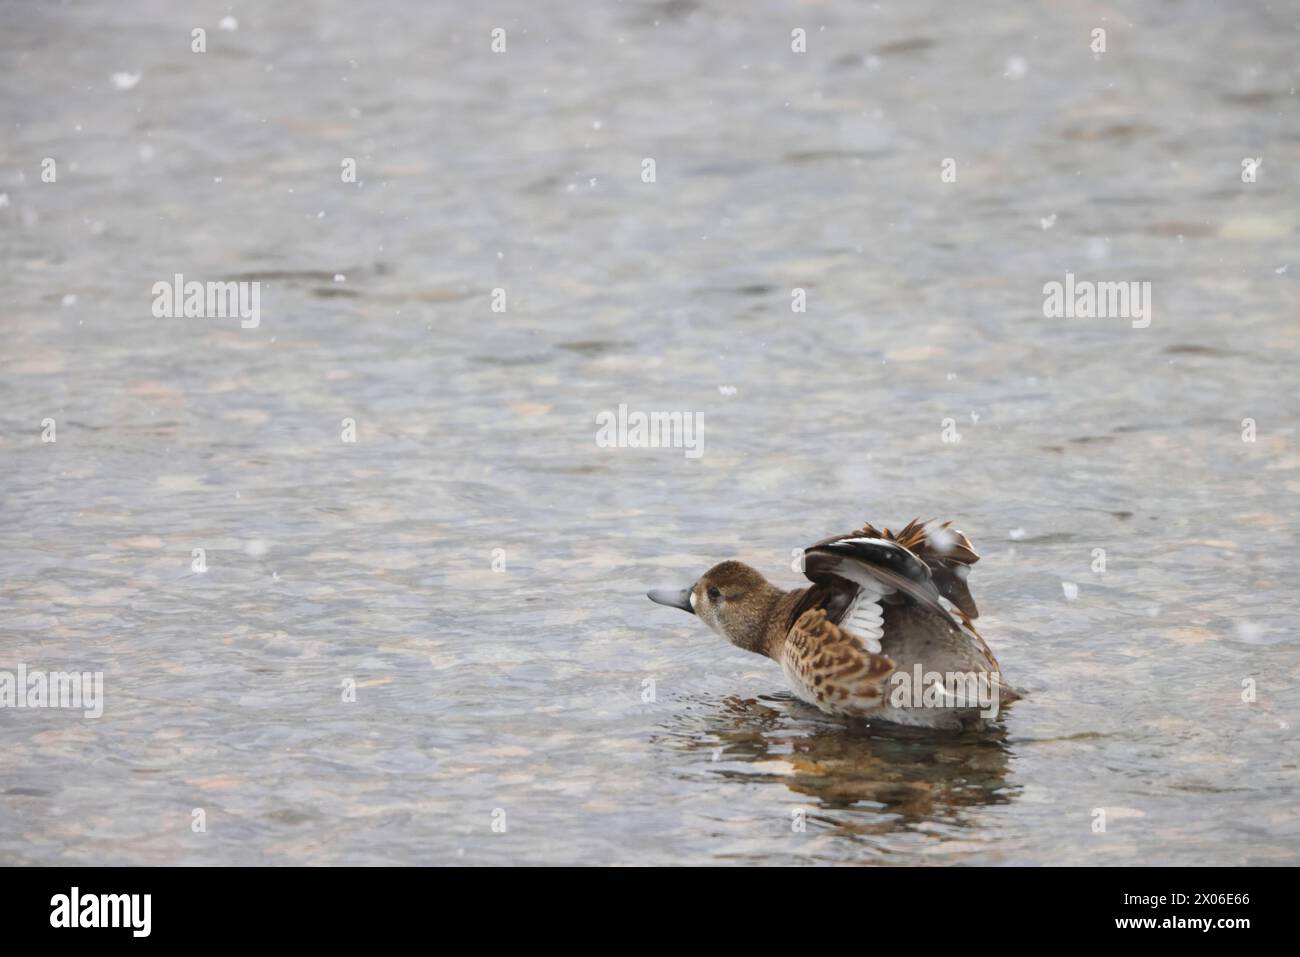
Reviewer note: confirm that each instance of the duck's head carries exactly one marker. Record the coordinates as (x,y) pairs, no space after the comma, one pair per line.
(731,598)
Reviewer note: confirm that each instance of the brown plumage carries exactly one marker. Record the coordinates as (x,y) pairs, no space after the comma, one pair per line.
(880,607)
(833,668)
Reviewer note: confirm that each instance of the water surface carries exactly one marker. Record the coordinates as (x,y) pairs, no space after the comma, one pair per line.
(524,690)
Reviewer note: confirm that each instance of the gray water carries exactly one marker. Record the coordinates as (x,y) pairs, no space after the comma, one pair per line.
(519,696)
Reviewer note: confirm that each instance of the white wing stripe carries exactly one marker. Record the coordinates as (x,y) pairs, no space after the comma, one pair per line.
(864,617)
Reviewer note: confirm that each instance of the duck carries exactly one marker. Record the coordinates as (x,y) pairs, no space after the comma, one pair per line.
(884,632)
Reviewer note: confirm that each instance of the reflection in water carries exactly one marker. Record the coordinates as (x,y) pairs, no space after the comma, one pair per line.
(900,777)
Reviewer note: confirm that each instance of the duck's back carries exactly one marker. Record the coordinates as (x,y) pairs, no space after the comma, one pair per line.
(877,608)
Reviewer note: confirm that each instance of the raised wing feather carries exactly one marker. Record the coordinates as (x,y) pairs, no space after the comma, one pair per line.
(923,564)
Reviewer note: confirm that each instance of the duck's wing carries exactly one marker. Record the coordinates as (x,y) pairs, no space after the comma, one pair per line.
(950,554)
(878,565)
(921,565)
(831,668)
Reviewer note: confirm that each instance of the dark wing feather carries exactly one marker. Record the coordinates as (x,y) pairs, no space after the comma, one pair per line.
(832,595)
(950,554)
(884,560)
(921,565)
(950,579)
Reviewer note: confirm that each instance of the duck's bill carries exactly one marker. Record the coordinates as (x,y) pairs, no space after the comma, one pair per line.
(672,597)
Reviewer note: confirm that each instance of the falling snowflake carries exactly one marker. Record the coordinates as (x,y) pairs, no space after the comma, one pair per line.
(125,81)
(940,539)
(1250,632)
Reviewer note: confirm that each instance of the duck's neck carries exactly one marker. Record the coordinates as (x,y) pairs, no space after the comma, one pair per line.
(770,639)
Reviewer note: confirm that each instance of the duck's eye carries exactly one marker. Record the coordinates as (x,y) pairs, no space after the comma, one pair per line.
(714,593)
